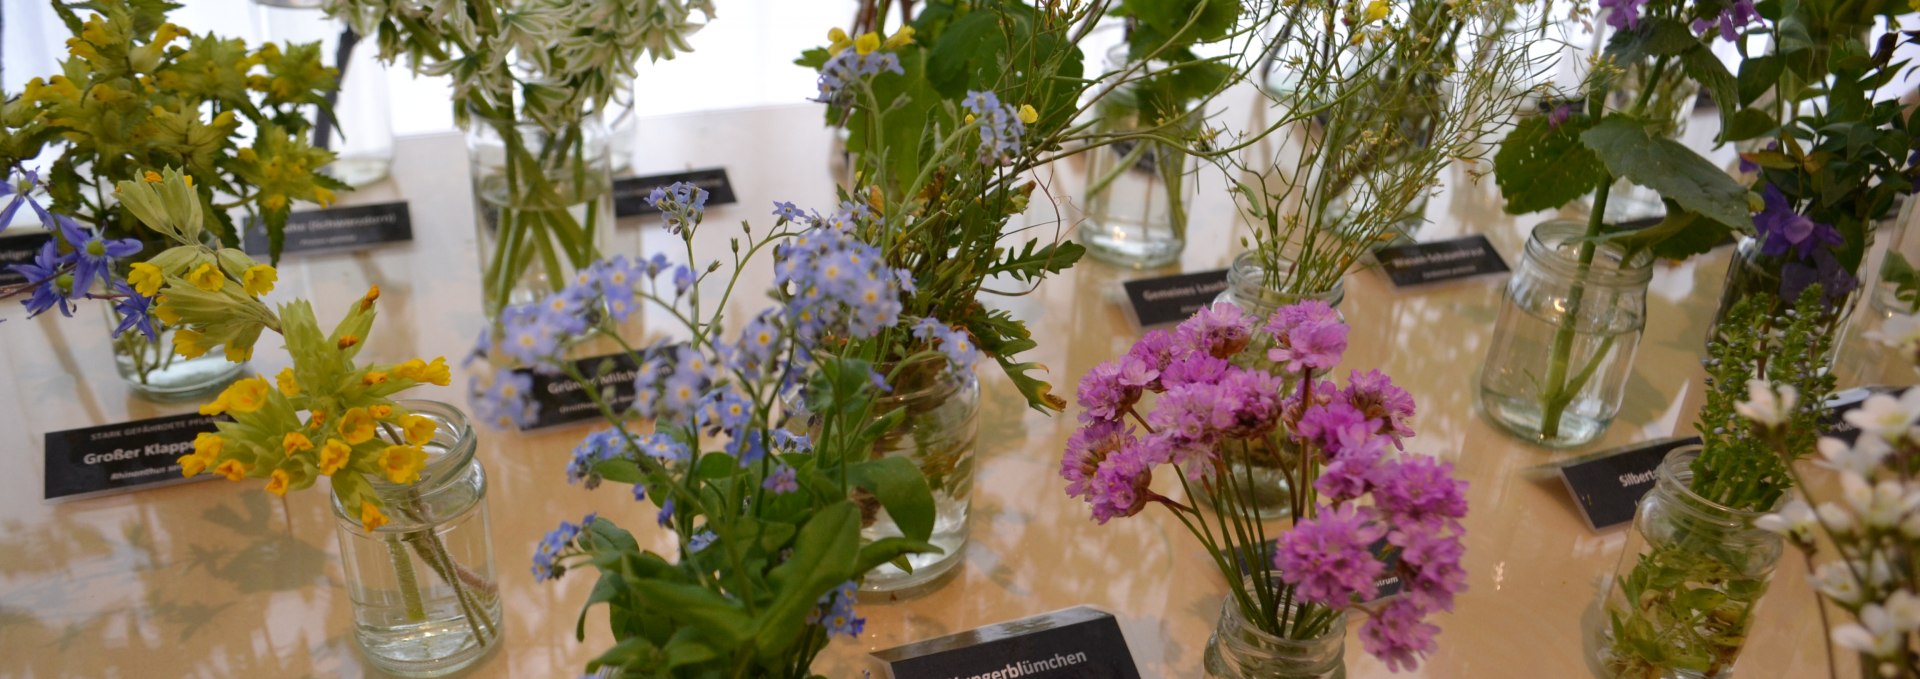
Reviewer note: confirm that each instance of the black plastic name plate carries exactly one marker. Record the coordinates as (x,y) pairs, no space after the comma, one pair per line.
(630,193)
(1171,299)
(1423,263)
(355,227)
(120,456)
(1076,643)
(19,249)
(1607,486)
(1388,584)
(565,401)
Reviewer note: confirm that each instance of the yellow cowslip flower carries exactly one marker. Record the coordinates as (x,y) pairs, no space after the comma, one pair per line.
(356,426)
(234,470)
(277,484)
(295,442)
(285,380)
(146,279)
(402,464)
(370,517)
(837,41)
(258,279)
(1376,10)
(319,418)
(164,311)
(1028,115)
(243,396)
(189,343)
(192,465)
(437,372)
(419,429)
(414,369)
(208,445)
(373,377)
(206,277)
(334,455)
(152,177)
(866,43)
(901,38)
(238,354)
(380,411)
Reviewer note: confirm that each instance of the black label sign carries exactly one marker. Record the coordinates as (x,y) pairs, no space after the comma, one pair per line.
(564,401)
(19,250)
(1171,299)
(1608,485)
(1422,263)
(1078,642)
(120,456)
(355,227)
(630,193)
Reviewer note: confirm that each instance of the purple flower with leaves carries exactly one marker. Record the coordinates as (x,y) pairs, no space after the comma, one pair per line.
(1736,16)
(93,254)
(783,480)
(1326,558)
(1086,449)
(52,285)
(135,310)
(1623,14)
(1320,425)
(1835,281)
(1349,473)
(20,192)
(1559,116)
(834,611)
(1431,561)
(1151,355)
(506,400)
(1783,231)
(557,543)
(1000,126)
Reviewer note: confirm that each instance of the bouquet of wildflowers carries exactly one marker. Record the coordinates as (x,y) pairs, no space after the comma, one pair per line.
(1350,490)
(132,98)
(533,72)
(1874,524)
(1687,602)
(750,444)
(1388,94)
(946,119)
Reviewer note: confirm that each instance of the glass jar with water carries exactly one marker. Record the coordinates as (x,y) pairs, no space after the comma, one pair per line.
(1557,367)
(942,405)
(425,599)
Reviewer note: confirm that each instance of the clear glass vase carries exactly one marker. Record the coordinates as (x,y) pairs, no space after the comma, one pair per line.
(1679,604)
(1556,370)
(154,370)
(543,201)
(425,598)
(1903,256)
(361,131)
(1752,274)
(942,422)
(1240,650)
(1250,287)
(1138,191)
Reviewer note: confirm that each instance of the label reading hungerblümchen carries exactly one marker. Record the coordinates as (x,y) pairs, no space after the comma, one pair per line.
(1076,643)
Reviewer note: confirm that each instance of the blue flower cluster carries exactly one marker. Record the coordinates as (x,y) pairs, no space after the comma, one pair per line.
(1000,126)
(783,480)
(849,67)
(609,444)
(546,556)
(681,205)
(835,611)
(835,284)
(67,267)
(505,401)
(954,342)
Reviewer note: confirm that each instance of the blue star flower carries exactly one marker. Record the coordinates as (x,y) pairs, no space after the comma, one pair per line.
(21,191)
(135,312)
(93,255)
(52,284)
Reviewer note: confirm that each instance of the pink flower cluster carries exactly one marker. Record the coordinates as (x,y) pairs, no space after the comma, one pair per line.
(1207,398)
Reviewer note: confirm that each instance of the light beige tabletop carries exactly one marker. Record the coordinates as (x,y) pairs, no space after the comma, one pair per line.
(216,579)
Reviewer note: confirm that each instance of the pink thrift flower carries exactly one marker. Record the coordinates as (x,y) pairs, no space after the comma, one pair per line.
(1326,558)
(1398,635)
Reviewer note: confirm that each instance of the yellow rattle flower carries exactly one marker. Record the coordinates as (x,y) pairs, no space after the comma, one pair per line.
(333,456)
(1376,10)
(901,38)
(287,385)
(837,41)
(866,44)
(1028,115)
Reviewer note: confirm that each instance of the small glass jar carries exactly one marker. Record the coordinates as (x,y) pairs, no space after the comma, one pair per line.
(942,422)
(360,131)
(1753,274)
(423,589)
(154,370)
(1682,598)
(1248,287)
(1557,367)
(543,204)
(1138,191)
(1239,649)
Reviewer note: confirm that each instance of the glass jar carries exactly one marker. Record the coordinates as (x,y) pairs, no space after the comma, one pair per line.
(1138,191)
(1250,288)
(543,203)
(156,371)
(1903,255)
(942,422)
(424,594)
(1239,649)
(1680,602)
(1752,274)
(360,132)
(1563,347)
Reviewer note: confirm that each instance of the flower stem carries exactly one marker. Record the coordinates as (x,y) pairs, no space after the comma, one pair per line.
(409,583)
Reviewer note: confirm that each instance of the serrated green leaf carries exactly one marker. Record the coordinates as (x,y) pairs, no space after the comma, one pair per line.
(1541,167)
(1670,168)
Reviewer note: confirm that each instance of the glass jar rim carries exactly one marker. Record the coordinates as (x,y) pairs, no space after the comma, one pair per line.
(1546,249)
(1674,477)
(443,468)
(1336,628)
(1248,270)
(949,380)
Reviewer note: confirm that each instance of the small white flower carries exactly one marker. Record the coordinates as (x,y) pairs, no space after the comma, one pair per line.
(1765,407)
(1881,505)
(1886,417)
(1836,518)
(1794,520)
(1861,458)
(1835,580)
(1900,332)
(1874,635)
(1903,608)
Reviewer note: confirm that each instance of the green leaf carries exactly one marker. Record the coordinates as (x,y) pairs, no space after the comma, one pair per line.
(1748,123)
(1654,37)
(684,649)
(608,588)
(901,489)
(705,610)
(884,550)
(1033,262)
(1705,68)
(619,470)
(1757,75)
(1540,167)
(957,52)
(823,558)
(1668,167)
(717,466)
